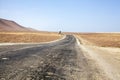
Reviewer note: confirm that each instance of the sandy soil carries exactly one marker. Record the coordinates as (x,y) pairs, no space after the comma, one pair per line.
(107,59)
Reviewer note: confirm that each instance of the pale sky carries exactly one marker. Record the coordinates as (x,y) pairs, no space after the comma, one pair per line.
(65,15)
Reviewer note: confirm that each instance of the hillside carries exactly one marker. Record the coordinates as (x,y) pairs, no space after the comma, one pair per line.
(8,25)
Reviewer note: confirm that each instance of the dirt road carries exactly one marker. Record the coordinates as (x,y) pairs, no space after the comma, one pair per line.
(61,60)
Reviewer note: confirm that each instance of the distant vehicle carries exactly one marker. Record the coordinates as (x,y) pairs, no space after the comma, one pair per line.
(60,32)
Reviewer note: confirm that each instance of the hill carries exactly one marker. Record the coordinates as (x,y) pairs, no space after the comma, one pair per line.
(8,25)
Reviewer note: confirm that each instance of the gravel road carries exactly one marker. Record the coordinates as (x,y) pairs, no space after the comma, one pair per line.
(60,60)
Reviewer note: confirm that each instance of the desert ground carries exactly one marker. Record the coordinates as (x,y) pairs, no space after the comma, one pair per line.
(78,56)
(28,37)
(104,50)
(102,39)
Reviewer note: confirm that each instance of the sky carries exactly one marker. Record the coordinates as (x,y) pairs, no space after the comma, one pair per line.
(64,15)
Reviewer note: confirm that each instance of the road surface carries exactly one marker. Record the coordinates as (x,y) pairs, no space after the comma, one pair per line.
(61,60)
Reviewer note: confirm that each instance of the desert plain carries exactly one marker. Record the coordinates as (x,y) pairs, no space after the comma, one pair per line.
(101,50)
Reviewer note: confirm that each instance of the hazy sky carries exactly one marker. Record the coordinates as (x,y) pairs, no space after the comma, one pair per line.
(65,15)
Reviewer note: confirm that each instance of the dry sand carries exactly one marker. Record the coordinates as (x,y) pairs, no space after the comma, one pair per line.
(107,58)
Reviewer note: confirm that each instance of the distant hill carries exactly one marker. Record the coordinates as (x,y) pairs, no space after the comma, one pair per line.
(8,25)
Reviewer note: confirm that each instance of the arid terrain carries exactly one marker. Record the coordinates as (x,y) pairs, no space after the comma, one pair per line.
(102,39)
(28,37)
(12,32)
(26,54)
(51,61)
(9,25)
(104,50)
(71,58)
